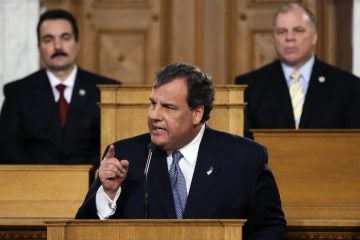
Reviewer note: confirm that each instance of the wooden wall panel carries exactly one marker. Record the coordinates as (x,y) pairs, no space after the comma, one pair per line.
(253,21)
(119,39)
(123,38)
(131,40)
(122,54)
(120,3)
(263,49)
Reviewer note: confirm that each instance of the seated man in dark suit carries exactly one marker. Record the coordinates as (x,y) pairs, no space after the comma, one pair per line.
(195,172)
(320,96)
(43,124)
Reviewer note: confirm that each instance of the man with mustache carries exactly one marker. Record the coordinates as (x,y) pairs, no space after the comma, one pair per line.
(319,96)
(52,116)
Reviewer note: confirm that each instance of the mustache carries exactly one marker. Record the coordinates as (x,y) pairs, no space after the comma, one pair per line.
(58,53)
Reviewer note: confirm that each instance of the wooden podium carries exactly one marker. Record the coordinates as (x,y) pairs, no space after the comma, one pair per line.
(31,194)
(161,229)
(317,171)
(124,111)
(318,175)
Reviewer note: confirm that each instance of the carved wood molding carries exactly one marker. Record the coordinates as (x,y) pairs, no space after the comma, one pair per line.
(23,232)
(323,233)
(294,232)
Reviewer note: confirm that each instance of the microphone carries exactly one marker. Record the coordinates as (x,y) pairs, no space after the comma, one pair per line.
(151,148)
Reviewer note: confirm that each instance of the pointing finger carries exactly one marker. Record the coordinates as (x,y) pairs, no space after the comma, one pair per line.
(111,152)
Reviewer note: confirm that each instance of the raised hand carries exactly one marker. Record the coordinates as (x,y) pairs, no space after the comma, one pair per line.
(112,172)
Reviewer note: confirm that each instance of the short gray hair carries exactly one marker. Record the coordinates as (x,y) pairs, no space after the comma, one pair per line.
(291,6)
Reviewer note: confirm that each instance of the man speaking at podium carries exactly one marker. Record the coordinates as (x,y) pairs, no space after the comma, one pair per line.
(184,169)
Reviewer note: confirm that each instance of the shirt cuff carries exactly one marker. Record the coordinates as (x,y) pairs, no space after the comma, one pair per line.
(104,205)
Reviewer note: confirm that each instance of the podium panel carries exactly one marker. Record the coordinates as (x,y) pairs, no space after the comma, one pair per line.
(317,171)
(160,229)
(124,111)
(41,191)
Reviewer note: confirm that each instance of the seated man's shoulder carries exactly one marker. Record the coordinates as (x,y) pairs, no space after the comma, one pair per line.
(235,141)
(23,83)
(338,74)
(257,75)
(97,78)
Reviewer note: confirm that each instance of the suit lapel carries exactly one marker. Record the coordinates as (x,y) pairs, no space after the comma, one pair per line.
(205,173)
(78,104)
(281,90)
(47,102)
(316,91)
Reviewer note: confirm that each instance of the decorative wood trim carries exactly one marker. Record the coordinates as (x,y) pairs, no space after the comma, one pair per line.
(23,232)
(330,230)
(321,233)
(121,4)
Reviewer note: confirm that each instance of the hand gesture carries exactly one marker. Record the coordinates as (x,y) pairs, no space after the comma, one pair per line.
(112,172)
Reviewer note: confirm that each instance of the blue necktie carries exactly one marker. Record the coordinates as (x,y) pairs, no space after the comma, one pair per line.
(178,184)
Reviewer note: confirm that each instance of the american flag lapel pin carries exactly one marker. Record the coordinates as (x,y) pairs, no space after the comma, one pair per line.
(211,169)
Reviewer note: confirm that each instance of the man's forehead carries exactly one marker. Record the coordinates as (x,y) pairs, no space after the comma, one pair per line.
(297,14)
(169,92)
(55,26)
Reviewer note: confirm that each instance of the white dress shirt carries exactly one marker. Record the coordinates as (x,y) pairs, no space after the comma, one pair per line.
(69,82)
(305,71)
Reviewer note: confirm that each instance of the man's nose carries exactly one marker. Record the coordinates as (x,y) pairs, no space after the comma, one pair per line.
(290,35)
(155,112)
(57,44)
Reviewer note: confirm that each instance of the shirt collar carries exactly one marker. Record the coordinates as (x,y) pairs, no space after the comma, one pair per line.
(305,70)
(68,82)
(191,150)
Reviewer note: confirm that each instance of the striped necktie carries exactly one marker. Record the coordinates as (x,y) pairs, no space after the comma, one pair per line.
(297,96)
(178,184)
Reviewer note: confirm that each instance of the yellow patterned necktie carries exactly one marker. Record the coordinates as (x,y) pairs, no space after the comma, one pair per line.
(297,96)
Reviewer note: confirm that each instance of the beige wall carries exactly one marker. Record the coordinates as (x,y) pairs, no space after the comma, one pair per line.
(18,49)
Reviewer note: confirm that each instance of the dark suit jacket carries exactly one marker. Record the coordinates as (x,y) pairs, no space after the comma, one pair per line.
(240,186)
(334,103)
(30,131)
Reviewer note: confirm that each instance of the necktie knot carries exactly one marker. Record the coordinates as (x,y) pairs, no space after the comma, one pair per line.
(60,88)
(176,156)
(295,76)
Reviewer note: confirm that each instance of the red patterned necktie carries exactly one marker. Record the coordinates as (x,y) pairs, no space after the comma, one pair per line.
(63,105)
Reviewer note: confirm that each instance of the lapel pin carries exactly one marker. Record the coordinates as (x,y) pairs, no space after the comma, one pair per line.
(82,92)
(211,169)
(321,79)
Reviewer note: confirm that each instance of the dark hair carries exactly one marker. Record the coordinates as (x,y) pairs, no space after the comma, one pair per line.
(200,86)
(291,6)
(58,14)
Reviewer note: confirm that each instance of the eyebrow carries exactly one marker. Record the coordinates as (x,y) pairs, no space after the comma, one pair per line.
(61,35)
(152,100)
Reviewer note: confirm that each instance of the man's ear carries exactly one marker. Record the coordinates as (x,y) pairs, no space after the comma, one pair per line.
(198,113)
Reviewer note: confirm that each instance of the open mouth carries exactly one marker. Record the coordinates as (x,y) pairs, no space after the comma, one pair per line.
(158,130)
